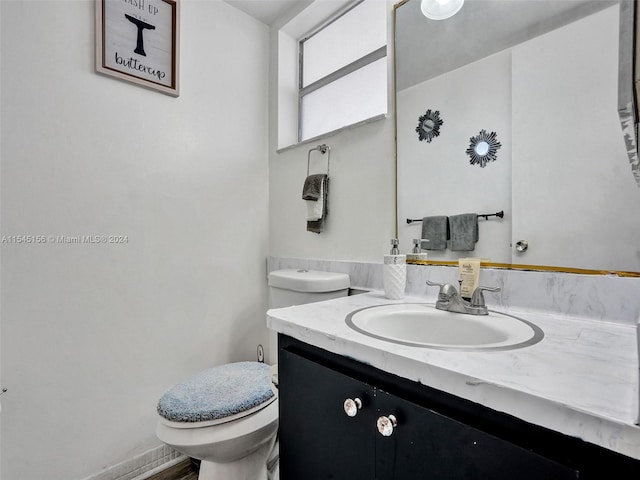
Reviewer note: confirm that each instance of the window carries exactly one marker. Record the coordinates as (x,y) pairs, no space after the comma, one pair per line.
(343,70)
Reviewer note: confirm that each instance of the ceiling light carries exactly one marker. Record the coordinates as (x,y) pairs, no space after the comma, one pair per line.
(440,9)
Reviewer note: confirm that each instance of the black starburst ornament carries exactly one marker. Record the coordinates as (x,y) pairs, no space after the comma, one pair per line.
(429,125)
(483,148)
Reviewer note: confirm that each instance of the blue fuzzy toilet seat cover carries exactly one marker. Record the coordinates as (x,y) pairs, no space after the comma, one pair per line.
(217,393)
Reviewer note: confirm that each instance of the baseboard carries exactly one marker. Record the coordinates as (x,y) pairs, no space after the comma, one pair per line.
(176,468)
(182,467)
(142,466)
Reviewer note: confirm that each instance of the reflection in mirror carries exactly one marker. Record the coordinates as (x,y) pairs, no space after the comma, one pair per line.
(482,148)
(429,126)
(627,104)
(539,76)
(440,9)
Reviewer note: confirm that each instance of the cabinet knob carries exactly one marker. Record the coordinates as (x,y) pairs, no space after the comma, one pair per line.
(386,425)
(351,406)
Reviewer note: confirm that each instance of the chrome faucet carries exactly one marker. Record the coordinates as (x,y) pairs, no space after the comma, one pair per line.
(451,301)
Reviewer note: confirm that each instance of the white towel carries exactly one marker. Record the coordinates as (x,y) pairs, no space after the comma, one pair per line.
(315,208)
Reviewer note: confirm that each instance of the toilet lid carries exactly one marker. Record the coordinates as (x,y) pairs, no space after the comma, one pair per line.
(217,393)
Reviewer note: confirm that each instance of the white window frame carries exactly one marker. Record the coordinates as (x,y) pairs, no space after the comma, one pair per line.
(335,75)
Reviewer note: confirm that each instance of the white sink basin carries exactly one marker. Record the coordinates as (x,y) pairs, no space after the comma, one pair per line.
(422,325)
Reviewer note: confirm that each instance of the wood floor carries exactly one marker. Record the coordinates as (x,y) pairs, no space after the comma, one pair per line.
(182,471)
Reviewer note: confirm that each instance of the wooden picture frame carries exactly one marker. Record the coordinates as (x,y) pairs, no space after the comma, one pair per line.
(138,41)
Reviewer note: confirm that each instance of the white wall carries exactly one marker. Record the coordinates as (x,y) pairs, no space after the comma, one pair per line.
(93,334)
(590,219)
(361,217)
(361,199)
(437,177)
(562,173)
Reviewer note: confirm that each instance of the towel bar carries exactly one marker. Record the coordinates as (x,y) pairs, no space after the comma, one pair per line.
(322,149)
(486,216)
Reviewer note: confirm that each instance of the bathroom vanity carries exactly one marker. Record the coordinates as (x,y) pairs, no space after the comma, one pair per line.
(352,406)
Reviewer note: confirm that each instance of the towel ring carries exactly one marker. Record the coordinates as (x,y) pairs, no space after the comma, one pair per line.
(322,149)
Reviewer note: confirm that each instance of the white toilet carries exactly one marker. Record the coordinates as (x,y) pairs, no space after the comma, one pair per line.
(227,416)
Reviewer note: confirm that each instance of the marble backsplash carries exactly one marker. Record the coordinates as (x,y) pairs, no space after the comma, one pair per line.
(597,297)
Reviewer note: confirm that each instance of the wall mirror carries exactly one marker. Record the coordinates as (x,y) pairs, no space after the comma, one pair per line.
(548,78)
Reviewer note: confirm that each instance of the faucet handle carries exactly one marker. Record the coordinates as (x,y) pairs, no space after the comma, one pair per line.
(446,290)
(435,284)
(477,299)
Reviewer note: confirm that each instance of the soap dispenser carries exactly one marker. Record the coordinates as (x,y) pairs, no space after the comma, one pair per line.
(394,272)
(417,253)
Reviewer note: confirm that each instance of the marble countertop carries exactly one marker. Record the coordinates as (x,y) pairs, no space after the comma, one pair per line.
(581,379)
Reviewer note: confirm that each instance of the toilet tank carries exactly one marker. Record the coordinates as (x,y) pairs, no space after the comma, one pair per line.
(296,287)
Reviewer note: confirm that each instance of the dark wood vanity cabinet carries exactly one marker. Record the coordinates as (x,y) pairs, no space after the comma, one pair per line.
(321,440)
(436,435)
(428,445)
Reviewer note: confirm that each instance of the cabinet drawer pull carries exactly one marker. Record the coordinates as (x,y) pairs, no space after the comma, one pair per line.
(386,425)
(351,406)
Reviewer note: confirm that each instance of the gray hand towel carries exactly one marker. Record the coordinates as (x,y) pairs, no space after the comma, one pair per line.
(464,231)
(311,188)
(436,230)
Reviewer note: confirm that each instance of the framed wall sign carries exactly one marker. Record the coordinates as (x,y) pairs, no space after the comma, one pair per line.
(138,41)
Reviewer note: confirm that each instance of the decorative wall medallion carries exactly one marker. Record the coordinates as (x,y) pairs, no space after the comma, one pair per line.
(429,125)
(483,148)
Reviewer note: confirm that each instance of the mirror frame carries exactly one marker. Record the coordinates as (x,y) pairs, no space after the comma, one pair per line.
(628,108)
